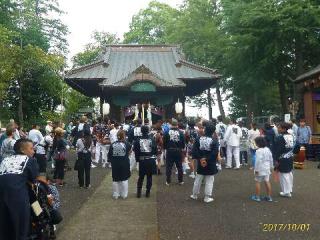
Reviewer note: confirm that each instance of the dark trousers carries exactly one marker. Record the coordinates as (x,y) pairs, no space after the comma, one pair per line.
(84,168)
(243,157)
(174,157)
(42,162)
(14,219)
(146,168)
(59,169)
(223,152)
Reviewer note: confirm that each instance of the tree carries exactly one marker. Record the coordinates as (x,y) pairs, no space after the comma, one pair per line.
(151,25)
(92,50)
(270,44)
(91,53)
(32,47)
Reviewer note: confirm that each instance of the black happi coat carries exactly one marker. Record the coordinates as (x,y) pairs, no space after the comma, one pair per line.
(119,157)
(174,140)
(15,173)
(284,151)
(206,147)
(146,147)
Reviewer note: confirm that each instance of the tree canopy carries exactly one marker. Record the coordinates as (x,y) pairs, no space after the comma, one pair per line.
(258,46)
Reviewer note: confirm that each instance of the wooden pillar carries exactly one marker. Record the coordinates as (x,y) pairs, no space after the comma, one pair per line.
(101,105)
(122,118)
(309,109)
(184,107)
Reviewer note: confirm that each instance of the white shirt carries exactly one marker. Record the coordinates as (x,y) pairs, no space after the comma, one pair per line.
(252,135)
(38,140)
(48,129)
(113,135)
(233,135)
(264,161)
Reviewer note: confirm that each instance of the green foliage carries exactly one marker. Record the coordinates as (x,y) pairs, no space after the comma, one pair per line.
(151,25)
(93,49)
(75,100)
(32,44)
(258,46)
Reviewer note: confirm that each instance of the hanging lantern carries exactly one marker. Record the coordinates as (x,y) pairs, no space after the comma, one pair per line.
(105,108)
(178,107)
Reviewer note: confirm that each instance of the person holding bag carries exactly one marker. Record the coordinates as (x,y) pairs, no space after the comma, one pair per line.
(59,149)
(83,165)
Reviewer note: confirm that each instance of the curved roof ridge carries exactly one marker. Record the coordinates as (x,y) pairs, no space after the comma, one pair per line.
(144,67)
(85,67)
(198,67)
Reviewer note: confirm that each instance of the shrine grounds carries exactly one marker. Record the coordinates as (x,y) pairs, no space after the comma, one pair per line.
(170,214)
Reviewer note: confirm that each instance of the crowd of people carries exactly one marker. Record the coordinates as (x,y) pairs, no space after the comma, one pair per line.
(202,148)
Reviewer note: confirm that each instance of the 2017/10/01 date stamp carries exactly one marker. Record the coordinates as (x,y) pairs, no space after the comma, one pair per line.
(285,227)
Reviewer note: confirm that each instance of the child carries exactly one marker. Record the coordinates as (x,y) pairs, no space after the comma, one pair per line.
(262,169)
(284,151)
(119,157)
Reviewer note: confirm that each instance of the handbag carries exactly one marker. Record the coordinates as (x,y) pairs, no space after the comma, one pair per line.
(76,165)
(59,155)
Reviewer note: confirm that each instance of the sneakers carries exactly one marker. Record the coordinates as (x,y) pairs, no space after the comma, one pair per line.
(288,195)
(228,167)
(167,184)
(255,198)
(208,200)
(236,168)
(194,197)
(192,175)
(268,198)
(181,183)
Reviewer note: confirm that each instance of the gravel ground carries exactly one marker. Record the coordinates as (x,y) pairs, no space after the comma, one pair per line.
(233,215)
(71,196)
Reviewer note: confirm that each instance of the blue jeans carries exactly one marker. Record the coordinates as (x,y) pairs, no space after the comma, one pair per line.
(253,157)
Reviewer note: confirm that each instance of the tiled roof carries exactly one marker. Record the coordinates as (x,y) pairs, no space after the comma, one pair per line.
(315,71)
(163,62)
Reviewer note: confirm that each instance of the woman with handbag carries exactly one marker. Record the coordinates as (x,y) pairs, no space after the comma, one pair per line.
(83,164)
(59,149)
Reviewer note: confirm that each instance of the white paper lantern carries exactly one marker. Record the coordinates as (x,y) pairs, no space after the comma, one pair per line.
(105,108)
(178,107)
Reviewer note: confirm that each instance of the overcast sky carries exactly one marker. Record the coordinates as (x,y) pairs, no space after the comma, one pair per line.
(84,16)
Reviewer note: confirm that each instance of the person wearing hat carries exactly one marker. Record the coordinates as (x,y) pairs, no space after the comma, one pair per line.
(174,143)
(145,150)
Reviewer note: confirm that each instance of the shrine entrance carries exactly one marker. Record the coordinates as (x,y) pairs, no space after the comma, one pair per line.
(144,111)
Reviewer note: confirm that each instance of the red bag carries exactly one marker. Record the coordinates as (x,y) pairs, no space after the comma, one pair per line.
(59,155)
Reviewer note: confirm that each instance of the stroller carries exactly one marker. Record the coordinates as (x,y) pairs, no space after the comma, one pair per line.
(43,216)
